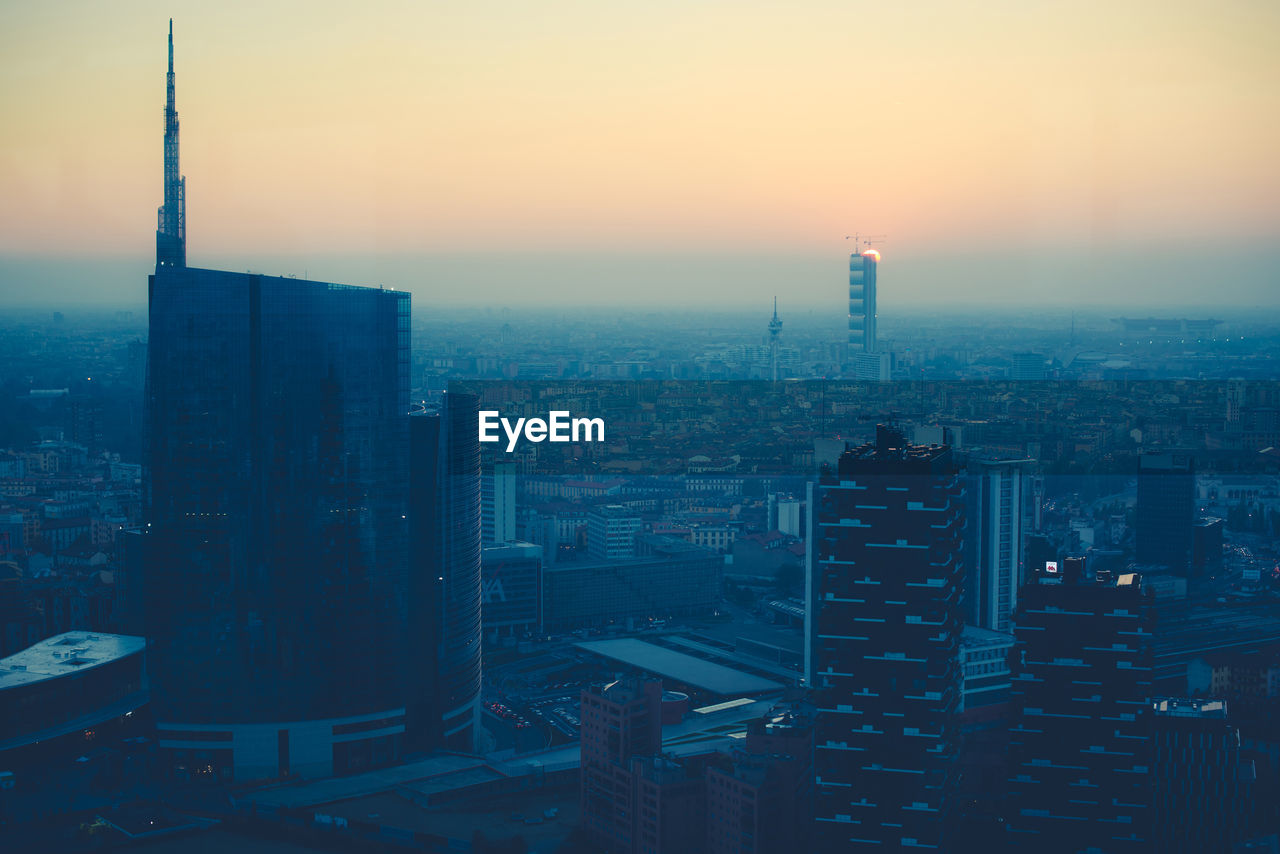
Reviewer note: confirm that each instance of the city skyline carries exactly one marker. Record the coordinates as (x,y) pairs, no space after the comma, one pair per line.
(954,578)
(580,157)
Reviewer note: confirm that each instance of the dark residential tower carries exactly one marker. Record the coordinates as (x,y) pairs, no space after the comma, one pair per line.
(758,802)
(1166,511)
(1202,786)
(882,654)
(1080,752)
(620,721)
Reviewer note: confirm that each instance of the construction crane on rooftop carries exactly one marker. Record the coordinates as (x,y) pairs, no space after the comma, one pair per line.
(864,241)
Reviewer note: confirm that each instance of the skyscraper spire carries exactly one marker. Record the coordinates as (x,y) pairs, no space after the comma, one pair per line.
(171,228)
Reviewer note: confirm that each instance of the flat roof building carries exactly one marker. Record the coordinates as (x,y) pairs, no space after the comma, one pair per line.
(67,683)
(668,578)
(511,596)
(680,667)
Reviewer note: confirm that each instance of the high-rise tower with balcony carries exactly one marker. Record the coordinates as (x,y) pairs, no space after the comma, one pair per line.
(884,604)
(1080,752)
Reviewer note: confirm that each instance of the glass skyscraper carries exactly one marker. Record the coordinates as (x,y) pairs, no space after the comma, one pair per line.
(445,513)
(276,556)
(277,570)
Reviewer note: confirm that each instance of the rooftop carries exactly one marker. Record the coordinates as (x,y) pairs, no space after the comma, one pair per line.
(683,668)
(892,454)
(615,511)
(1182,707)
(515,550)
(434,773)
(973,637)
(662,550)
(69,652)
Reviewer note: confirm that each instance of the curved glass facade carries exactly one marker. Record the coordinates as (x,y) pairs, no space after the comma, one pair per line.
(277,567)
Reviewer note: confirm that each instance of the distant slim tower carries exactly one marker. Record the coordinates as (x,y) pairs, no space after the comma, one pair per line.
(775,330)
(171,229)
(862,301)
(867,361)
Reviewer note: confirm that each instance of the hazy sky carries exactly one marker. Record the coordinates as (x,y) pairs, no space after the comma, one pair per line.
(629,152)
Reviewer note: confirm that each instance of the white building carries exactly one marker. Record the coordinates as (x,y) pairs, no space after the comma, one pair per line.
(498,504)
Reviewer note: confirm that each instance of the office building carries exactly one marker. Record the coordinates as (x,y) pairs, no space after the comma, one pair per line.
(717,538)
(276,582)
(997,516)
(1027,366)
(862,301)
(276,577)
(758,803)
(866,360)
(872,367)
(620,720)
(1166,510)
(884,599)
(1202,786)
(984,663)
(637,800)
(446,586)
(669,804)
(785,514)
(498,503)
(611,532)
(511,597)
(1080,750)
(985,716)
(671,578)
(1206,547)
(53,692)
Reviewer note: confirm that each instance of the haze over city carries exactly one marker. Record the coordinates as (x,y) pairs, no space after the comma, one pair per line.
(582,154)
(607,429)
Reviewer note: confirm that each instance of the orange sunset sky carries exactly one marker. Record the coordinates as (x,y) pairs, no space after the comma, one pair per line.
(454,147)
